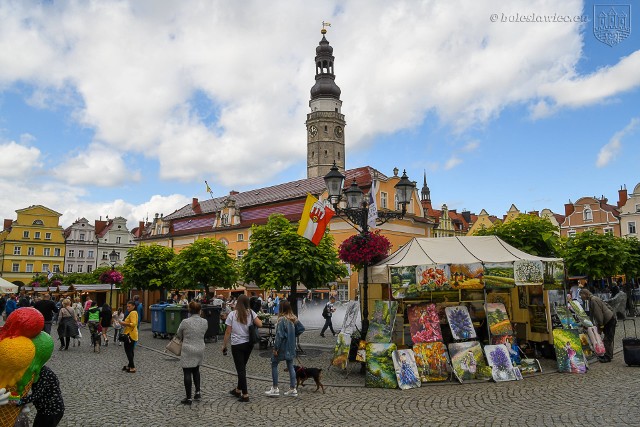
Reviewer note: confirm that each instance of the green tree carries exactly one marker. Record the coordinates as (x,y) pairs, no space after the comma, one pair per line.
(631,265)
(594,254)
(205,262)
(279,257)
(78,279)
(147,267)
(529,233)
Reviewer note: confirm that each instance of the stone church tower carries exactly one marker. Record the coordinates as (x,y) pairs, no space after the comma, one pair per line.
(325,123)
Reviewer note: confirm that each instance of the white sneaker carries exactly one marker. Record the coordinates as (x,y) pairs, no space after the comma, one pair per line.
(293,392)
(273,392)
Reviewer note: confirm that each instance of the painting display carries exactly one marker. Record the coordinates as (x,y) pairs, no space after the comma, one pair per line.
(566,318)
(361,355)
(460,322)
(351,316)
(499,275)
(528,272)
(569,353)
(553,277)
(403,283)
(500,362)
(382,320)
(433,277)
(407,375)
(424,323)
(530,366)
(341,351)
(466,276)
(432,362)
(498,319)
(586,346)
(468,362)
(581,314)
(380,370)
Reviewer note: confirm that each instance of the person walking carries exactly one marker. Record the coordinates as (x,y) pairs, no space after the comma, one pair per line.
(139,308)
(106,317)
(191,331)
(47,308)
(327,313)
(117,318)
(605,319)
(10,306)
(67,324)
(78,309)
(131,332)
(93,323)
(237,331)
(284,348)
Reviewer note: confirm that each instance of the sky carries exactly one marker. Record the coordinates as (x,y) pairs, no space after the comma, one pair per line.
(125,108)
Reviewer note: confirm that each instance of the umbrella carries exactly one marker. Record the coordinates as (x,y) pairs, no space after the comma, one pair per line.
(7,287)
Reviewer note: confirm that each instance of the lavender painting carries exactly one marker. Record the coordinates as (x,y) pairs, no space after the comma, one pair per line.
(460,322)
(500,362)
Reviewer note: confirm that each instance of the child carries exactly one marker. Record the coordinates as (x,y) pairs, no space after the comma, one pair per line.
(118,316)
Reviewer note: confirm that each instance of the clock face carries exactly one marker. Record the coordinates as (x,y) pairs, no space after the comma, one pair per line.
(313,131)
(338,131)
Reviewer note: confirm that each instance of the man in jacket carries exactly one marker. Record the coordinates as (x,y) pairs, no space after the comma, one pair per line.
(605,319)
(47,308)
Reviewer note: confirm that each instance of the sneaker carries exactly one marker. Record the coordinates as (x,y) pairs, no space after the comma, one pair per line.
(292,392)
(273,392)
(186,402)
(322,335)
(197,396)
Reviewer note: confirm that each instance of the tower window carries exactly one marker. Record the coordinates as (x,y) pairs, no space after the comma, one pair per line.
(326,153)
(326,129)
(336,110)
(338,155)
(313,153)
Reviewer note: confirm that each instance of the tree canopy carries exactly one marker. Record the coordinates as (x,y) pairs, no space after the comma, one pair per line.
(205,262)
(147,267)
(278,257)
(595,254)
(529,233)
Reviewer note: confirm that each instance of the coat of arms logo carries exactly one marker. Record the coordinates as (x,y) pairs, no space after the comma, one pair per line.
(611,22)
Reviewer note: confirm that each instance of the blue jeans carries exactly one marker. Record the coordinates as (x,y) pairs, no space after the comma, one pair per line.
(274,372)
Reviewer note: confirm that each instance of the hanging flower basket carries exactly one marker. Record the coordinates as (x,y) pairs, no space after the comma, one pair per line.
(111,276)
(360,249)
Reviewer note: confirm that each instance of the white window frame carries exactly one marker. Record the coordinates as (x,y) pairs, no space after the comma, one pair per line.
(608,230)
(29,268)
(56,268)
(631,227)
(81,237)
(587,214)
(31,251)
(79,268)
(69,268)
(45,268)
(384,200)
(89,268)
(17,250)
(240,237)
(80,253)
(118,240)
(25,234)
(90,254)
(56,251)
(46,251)
(343,292)
(36,235)
(15,267)
(637,207)
(47,236)
(571,233)
(72,253)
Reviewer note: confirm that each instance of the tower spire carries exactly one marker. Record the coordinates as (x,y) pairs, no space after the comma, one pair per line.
(426,193)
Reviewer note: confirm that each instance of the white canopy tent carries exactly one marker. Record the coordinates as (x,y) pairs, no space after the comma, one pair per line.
(449,250)
(7,287)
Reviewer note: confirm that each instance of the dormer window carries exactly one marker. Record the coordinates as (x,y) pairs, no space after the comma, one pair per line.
(587,214)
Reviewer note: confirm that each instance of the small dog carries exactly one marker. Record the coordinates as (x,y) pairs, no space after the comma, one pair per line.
(303,374)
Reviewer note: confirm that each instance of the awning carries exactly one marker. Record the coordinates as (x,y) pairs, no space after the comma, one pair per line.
(7,287)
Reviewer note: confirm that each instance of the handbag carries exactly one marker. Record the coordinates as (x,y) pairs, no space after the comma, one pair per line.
(254,337)
(174,346)
(299,328)
(124,338)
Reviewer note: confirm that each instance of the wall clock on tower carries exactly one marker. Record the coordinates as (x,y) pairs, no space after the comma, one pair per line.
(313,131)
(338,131)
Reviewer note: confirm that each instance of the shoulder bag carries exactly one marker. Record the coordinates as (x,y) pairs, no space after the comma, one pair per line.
(299,328)
(254,337)
(174,346)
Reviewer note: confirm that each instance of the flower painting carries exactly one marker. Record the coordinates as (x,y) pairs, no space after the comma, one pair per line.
(528,272)
(341,351)
(382,321)
(424,323)
(431,359)
(460,322)
(380,370)
(569,353)
(432,277)
(500,362)
(468,361)
(406,370)
(467,276)
(498,319)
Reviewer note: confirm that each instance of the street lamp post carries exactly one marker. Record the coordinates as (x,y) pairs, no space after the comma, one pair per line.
(113,260)
(357,211)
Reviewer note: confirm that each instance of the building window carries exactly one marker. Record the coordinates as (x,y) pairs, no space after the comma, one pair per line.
(45,268)
(31,251)
(47,236)
(587,214)
(608,230)
(56,268)
(105,255)
(240,237)
(72,253)
(15,267)
(343,292)
(80,268)
(383,200)
(224,241)
(25,234)
(46,252)
(80,253)
(29,268)
(69,268)
(17,250)
(118,240)
(56,252)
(240,254)
(90,254)
(38,222)
(638,207)
(89,268)
(632,227)
(82,237)
(571,233)
(36,235)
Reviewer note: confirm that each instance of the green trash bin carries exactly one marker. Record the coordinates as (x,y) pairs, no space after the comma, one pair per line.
(174,315)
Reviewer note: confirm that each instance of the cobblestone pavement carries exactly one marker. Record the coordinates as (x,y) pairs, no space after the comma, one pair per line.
(98,393)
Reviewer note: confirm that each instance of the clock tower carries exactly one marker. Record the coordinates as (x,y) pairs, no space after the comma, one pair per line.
(325,123)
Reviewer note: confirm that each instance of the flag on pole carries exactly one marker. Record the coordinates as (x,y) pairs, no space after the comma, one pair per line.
(50,275)
(208,188)
(315,218)
(372,216)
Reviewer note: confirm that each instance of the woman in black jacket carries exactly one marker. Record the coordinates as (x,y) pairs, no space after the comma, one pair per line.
(105,321)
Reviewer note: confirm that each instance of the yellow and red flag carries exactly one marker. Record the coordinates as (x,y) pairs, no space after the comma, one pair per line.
(315,218)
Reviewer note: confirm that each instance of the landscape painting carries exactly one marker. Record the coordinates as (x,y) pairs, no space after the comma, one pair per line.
(582,316)
(382,320)
(553,275)
(341,351)
(569,355)
(468,362)
(566,318)
(432,362)
(407,375)
(380,370)
(424,323)
(499,275)
(500,362)
(467,276)
(460,322)
(403,282)
(498,319)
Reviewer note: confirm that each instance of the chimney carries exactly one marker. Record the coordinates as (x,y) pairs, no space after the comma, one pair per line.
(233,192)
(534,213)
(622,197)
(466,215)
(140,227)
(7,223)
(194,203)
(568,208)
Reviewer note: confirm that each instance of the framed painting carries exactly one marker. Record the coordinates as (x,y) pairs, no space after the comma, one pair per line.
(351,317)
(380,370)
(569,353)
(467,276)
(403,282)
(424,323)
(553,277)
(566,318)
(500,362)
(407,375)
(361,355)
(382,321)
(341,351)
(528,272)
(433,278)
(432,361)
(498,319)
(468,362)
(582,316)
(460,322)
(499,275)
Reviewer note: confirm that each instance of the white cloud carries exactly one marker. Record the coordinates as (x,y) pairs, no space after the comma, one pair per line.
(98,165)
(611,149)
(18,161)
(471,146)
(452,163)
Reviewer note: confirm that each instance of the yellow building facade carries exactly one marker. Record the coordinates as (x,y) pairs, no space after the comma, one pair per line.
(33,243)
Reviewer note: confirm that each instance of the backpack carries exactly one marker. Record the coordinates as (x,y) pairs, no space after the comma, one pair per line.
(325,312)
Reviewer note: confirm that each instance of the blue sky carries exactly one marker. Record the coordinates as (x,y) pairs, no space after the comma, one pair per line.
(124,108)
